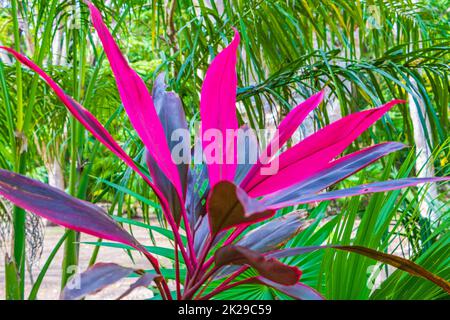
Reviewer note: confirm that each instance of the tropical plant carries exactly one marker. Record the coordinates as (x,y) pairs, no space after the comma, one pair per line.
(237,196)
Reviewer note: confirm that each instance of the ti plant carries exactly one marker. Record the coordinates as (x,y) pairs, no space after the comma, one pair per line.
(210,224)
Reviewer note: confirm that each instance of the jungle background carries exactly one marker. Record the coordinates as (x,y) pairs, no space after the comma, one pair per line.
(363,53)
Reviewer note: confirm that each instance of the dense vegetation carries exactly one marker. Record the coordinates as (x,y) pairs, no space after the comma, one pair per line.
(363,54)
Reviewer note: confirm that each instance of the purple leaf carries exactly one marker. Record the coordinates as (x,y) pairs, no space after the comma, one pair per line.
(143,281)
(335,172)
(93,280)
(275,233)
(171,114)
(218,111)
(173,119)
(271,235)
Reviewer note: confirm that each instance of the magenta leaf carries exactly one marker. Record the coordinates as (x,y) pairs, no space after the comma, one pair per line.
(336,171)
(229,206)
(93,280)
(63,209)
(218,112)
(80,113)
(173,119)
(268,267)
(137,102)
(143,281)
(299,291)
(355,191)
(285,130)
(314,153)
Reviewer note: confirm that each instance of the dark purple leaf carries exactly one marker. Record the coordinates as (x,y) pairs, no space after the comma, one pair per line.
(171,114)
(229,206)
(270,268)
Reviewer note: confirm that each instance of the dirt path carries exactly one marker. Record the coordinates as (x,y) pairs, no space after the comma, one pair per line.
(50,287)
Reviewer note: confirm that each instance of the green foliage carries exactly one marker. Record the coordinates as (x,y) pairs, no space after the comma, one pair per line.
(364,53)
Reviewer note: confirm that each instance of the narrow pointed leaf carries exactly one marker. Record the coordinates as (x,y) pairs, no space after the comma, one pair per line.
(275,233)
(355,191)
(335,172)
(218,110)
(229,206)
(197,192)
(171,114)
(314,153)
(248,153)
(173,119)
(270,268)
(93,280)
(299,291)
(137,102)
(286,129)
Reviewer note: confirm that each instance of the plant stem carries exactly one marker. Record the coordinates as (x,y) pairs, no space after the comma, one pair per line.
(19,166)
(191,291)
(177,272)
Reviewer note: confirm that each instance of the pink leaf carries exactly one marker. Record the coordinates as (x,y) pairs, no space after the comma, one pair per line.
(316,151)
(65,210)
(218,111)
